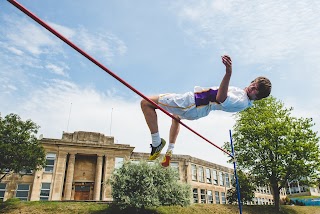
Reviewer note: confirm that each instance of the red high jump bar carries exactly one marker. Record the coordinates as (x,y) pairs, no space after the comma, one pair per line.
(43,24)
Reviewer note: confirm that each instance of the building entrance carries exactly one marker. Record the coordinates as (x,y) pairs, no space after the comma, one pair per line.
(83,192)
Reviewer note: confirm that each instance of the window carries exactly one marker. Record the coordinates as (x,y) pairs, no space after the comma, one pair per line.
(2,190)
(221,178)
(258,189)
(227,180)
(175,166)
(254,201)
(215,177)
(217,197)
(23,192)
(50,159)
(201,175)
(208,176)
(203,196)
(210,197)
(195,196)
(223,198)
(82,188)
(118,162)
(26,172)
(232,179)
(268,190)
(194,172)
(45,191)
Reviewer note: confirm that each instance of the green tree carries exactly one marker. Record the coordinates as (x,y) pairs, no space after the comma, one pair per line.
(20,150)
(274,146)
(247,189)
(141,185)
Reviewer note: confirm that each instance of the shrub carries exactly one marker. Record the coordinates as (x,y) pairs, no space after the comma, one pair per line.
(142,185)
(12,201)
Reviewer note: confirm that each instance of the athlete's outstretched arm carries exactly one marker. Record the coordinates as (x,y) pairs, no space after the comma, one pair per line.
(224,85)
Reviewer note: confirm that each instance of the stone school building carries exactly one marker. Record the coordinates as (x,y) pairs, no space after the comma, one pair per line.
(79,165)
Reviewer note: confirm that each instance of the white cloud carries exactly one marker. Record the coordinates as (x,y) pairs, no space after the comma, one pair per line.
(28,41)
(35,40)
(105,45)
(15,51)
(57,69)
(65,31)
(256,31)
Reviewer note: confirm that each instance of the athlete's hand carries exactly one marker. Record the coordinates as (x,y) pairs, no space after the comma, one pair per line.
(226,60)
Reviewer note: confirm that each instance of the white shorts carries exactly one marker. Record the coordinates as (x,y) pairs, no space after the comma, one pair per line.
(182,105)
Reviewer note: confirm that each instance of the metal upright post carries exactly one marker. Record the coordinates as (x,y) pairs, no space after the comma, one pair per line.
(235,173)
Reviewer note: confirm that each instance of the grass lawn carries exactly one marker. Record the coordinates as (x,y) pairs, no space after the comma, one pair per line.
(17,207)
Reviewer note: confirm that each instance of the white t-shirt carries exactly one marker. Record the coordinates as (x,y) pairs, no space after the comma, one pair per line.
(186,106)
(237,100)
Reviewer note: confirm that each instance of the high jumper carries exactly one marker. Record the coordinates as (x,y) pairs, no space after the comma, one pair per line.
(197,104)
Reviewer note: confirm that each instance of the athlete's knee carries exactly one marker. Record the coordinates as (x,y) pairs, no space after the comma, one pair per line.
(177,118)
(145,104)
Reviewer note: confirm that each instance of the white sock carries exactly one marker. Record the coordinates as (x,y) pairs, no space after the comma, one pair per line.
(170,147)
(156,140)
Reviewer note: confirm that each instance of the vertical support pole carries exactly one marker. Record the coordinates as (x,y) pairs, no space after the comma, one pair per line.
(235,173)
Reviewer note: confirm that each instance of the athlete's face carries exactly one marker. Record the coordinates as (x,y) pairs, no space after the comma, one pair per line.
(252,91)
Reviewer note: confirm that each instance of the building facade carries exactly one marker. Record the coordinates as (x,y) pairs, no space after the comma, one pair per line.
(79,165)
(295,189)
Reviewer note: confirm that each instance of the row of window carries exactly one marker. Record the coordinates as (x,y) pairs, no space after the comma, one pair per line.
(51,158)
(206,196)
(263,190)
(295,188)
(261,201)
(210,176)
(23,190)
(174,165)
(267,190)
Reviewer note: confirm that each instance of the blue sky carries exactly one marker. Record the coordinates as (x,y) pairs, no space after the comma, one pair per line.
(157,47)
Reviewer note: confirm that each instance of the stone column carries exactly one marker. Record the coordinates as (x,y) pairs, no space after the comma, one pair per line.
(289,187)
(188,172)
(298,186)
(108,172)
(36,186)
(59,173)
(97,182)
(105,179)
(69,177)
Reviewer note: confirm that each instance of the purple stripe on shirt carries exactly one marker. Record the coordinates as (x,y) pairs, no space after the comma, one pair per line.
(203,98)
